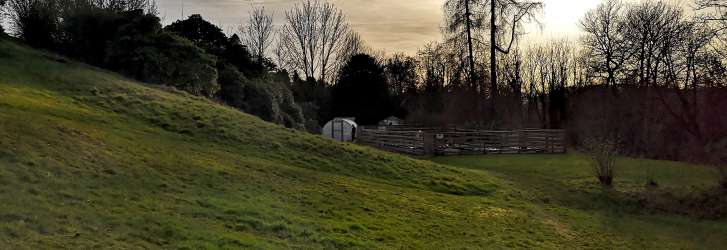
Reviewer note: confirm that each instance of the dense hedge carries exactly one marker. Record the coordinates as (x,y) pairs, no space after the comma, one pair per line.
(191,55)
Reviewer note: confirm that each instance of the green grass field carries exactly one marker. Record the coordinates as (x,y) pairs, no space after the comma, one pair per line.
(564,186)
(89,159)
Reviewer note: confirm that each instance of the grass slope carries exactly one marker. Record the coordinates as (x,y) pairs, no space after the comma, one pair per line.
(89,159)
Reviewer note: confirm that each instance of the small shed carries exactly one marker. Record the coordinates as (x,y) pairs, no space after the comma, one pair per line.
(391,121)
(340,129)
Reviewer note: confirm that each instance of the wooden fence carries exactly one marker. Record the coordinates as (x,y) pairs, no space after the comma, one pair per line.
(453,141)
(409,142)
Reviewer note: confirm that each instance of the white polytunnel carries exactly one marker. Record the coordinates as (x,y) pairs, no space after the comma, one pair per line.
(340,129)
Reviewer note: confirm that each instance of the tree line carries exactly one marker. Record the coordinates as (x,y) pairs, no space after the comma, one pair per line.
(649,73)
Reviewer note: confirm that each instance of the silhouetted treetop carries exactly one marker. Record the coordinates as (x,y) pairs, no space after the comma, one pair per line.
(201,32)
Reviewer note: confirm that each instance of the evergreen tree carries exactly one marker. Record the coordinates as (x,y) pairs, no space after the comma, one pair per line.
(362,91)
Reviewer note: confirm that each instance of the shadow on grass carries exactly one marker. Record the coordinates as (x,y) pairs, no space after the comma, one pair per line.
(562,181)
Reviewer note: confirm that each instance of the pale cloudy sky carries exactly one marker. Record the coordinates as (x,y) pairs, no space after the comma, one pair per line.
(388,25)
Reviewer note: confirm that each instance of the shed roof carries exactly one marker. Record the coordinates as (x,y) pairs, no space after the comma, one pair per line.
(393,118)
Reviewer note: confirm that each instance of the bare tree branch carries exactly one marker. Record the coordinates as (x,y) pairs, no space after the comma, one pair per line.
(258,33)
(314,38)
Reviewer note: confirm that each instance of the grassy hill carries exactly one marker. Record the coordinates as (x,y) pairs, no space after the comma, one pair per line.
(89,159)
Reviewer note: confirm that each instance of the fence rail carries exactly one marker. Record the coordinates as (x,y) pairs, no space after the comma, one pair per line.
(409,142)
(453,141)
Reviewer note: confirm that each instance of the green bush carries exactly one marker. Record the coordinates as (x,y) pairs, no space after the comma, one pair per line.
(244,84)
(36,21)
(722,170)
(268,98)
(310,112)
(192,55)
(201,32)
(145,52)
(232,87)
(87,31)
(229,51)
(120,36)
(273,101)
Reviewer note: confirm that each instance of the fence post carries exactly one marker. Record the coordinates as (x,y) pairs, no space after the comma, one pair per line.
(519,140)
(429,144)
(548,144)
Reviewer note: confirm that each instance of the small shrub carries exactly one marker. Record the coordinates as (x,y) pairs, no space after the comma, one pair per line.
(603,154)
(718,158)
(722,169)
(651,182)
(723,176)
(650,177)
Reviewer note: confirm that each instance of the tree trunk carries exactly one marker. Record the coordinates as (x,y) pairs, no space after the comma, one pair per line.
(493,59)
(469,43)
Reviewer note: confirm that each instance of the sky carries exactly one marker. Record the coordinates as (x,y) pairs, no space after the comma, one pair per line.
(386,25)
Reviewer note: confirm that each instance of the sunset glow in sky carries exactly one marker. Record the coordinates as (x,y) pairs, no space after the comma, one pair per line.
(388,25)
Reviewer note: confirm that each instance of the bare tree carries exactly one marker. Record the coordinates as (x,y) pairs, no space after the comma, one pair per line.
(351,45)
(334,37)
(536,76)
(298,40)
(715,14)
(463,20)
(548,69)
(282,59)
(681,57)
(401,74)
(684,66)
(432,67)
(511,71)
(149,6)
(509,14)
(718,9)
(257,35)
(448,60)
(511,67)
(605,39)
(647,26)
(315,37)
(581,77)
